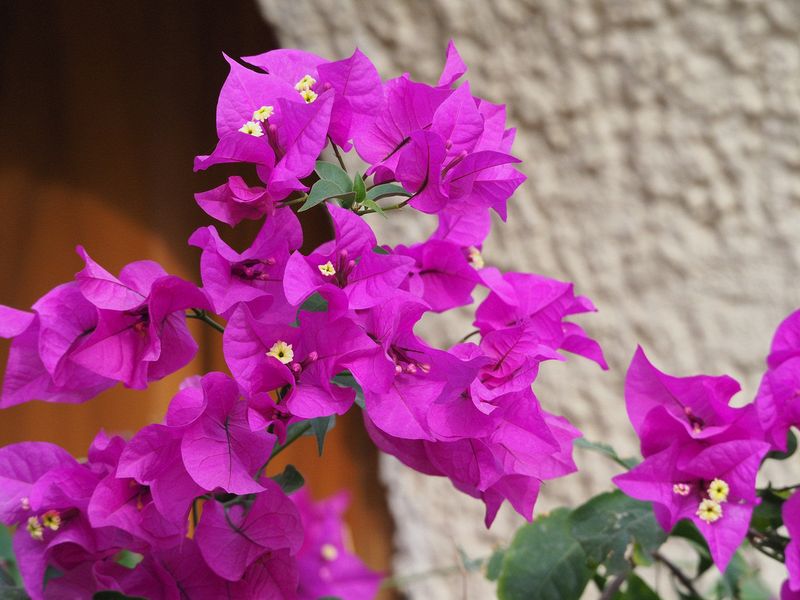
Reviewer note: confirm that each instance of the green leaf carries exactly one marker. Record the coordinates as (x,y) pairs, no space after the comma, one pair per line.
(128,559)
(320,191)
(346,379)
(320,428)
(609,523)
(290,479)
(359,188)
(12,593)
(495,564)
(335,174)
(544,562)
(637,589)
(688,531)
(380,250)
(606,450)
(372,205)
(791,448)
(767,515)
(314,303)
(385,190)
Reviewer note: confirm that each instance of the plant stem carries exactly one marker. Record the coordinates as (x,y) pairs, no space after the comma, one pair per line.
(469,335)
(788,488)
(338,155)
(677,573)
(302,198)
(201,315)
(395,207)
(290,438)
(612,588)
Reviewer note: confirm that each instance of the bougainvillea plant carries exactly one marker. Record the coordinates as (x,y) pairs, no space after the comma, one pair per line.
(193,507)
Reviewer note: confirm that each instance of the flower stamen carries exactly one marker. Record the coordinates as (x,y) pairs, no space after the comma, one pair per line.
(709,511)
(282,351)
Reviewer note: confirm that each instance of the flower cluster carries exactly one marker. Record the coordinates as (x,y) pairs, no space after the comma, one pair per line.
(701,455)
(305,337)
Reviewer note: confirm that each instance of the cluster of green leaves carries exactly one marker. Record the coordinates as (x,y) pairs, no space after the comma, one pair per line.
(335,184)
(603,542)
(606,539)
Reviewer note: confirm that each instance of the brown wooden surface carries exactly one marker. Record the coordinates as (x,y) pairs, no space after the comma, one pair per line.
(102,107)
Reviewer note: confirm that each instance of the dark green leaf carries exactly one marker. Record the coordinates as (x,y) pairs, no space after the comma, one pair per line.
(609,523)
(359,188)
(372,205)
(606,450)
(637,589)
(385,190)
(767,515)
(791,448)
(753,588)
(495,564)
(688,531)
(335,174)
(128,559)
(314,303)
(12,593)
(290,479)
(320,191)
(346,379)
(544,561)
(380,250)
(320,428)
(109,595)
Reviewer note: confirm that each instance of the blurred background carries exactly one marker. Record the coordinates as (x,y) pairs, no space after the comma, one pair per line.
(661,139)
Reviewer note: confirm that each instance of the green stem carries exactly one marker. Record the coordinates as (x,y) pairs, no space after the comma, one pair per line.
(338,155)
(299,200)
(201,315)
(395,207)
(291,437)
(788,488)
(469,335)
(677,573)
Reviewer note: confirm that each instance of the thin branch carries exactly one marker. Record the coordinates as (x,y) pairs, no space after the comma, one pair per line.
(469,335)
(201,315)
(338,155)
(611,589)
(290,438)
(677,573)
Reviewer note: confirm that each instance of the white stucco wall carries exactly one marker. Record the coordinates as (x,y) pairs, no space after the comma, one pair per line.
(662,142)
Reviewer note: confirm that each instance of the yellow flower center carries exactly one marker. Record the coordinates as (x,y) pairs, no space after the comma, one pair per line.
(252,128)
(327,269)
(305,83)
(329,552)
(282,351)
(309,96)
(682,489)
(34,528)
(476,258)
(52,520)
(709,511)
(263,113)
(718,491)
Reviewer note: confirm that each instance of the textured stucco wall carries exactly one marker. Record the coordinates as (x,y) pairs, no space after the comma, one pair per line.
(662,142)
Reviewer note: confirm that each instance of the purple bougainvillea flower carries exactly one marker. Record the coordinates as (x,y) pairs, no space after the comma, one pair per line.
(299,362)
(778,402)
(454,66)
(153,458)
(346,271)
(141,334)
(699,404)
(786,341)
(235,201)
(541,305)
(408,107)
(791,518)
(327,566)
(714,486)
(218,448)
(230,277)
(40,365)
(233,537)
(442,276)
